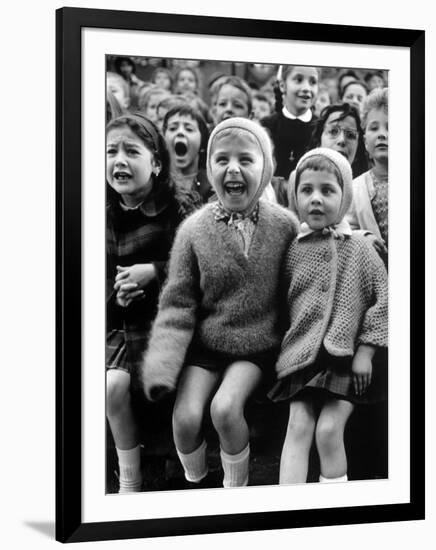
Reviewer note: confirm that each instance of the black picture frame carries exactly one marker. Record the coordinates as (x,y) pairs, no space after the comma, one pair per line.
(69,524)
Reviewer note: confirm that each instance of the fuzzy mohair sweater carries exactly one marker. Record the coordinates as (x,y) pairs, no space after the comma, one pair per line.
(217,296)
(337,297)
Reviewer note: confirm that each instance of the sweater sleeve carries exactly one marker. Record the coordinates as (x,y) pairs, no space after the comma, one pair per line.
(175,322)
(374,330)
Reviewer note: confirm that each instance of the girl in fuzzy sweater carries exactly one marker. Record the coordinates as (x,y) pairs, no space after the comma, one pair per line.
(337,301)
(217,327)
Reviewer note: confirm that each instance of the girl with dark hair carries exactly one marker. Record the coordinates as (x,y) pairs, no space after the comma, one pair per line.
(142,215)
(186,135)
(291,126)
(126,68)
(339,128)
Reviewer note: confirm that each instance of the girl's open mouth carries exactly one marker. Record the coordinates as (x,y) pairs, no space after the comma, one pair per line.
(234,188)
(180,148)
(122,176)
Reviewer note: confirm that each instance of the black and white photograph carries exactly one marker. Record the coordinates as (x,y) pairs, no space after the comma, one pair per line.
(247,258)
(217,280)
(239,289)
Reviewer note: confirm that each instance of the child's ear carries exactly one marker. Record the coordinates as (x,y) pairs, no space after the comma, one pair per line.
(282,86)
(157,167)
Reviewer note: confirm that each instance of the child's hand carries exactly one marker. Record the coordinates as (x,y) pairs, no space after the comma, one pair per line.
(362,368)
(138,274)
(127,293)
(378,244)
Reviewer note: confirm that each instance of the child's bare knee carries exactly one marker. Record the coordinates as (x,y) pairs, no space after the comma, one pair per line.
(327,435)
(224,413)
(117,391)
(187,420)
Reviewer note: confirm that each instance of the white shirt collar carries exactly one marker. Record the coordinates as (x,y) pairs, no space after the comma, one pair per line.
(337,230)
(305,117)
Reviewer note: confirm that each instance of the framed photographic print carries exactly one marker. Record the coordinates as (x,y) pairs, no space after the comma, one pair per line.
(141,93)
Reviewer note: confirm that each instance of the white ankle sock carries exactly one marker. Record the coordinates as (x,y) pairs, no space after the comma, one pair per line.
(195,463)
(236,467)
(130,469)
(339,479)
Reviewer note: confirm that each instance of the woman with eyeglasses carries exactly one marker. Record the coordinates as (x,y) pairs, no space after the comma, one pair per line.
(339,128)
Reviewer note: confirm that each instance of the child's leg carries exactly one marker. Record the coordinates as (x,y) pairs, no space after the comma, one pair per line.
(124,429)
(330,438)
(194,390)
(294,462)
(227,412)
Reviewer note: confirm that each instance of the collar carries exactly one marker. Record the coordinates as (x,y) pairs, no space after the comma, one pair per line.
(337,230)
(151,208)
(231,218)
(305,117)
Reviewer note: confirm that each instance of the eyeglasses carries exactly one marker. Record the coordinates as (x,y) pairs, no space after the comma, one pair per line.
(334,132)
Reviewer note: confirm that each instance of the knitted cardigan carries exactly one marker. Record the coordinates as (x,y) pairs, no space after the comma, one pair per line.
(361,214)
(215,295)
(338,297)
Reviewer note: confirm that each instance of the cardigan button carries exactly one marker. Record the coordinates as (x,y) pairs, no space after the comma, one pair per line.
(328,256)
(325,286)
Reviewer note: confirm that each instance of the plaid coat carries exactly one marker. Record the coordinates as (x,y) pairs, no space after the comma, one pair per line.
(143,235)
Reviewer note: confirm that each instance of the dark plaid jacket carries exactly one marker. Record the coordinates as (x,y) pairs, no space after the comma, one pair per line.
(143,235)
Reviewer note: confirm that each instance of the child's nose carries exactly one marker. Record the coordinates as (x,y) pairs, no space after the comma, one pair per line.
(233,167)
(120,159)
(316,197)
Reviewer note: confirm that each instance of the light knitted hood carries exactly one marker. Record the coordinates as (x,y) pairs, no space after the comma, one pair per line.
(262,138)
(344,169)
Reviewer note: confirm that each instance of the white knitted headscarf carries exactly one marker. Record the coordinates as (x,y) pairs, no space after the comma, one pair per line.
(344,168)
(264,141)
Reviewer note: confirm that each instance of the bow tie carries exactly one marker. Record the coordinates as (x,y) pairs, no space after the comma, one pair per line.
(233,218)
(336,230)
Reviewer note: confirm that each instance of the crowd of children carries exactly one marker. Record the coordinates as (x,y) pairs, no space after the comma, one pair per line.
(247,235)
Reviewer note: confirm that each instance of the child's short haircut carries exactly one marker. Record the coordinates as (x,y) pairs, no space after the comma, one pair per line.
(348,72)
(191,70)
(161,70)
(150,92)
(171,101)
(333,162)
(377,99)
(317,163)
(351,83)
(371,74)
(185,109)
(236,82)
(120,60)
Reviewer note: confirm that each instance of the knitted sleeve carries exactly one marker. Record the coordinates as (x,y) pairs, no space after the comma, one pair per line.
(175,322)
(374,329)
